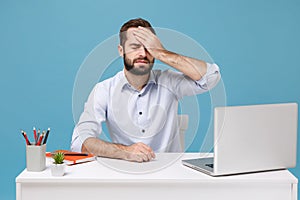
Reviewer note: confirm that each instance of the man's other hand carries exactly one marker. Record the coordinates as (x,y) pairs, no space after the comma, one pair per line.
(138,152)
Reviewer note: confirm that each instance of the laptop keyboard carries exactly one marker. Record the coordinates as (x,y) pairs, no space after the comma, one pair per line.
(210,165)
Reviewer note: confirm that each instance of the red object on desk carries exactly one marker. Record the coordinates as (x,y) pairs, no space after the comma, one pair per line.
(72,158)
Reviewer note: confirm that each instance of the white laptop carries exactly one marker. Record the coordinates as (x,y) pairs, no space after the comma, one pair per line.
(251,139)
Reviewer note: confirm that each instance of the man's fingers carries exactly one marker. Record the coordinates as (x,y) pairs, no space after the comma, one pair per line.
(147,156)
(141,34)
(141,152)
(144,36)
(146,150)
(145,31)
(141,38)
(138,157)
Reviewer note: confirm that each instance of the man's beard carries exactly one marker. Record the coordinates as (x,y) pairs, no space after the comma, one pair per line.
(137,70)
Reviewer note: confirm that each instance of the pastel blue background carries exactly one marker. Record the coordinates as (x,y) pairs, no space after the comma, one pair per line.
(43,43)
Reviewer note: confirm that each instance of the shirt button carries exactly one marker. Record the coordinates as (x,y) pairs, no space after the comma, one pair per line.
(140,113)
(143,131)
(140,95)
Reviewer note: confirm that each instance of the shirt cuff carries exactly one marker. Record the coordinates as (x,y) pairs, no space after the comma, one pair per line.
(212,70)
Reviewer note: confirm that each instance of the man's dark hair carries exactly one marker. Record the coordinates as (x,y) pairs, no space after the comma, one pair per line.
(133,23)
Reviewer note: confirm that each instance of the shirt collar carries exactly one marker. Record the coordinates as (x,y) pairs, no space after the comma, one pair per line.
(124,81)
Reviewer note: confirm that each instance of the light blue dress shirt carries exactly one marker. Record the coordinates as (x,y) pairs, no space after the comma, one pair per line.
(148,116)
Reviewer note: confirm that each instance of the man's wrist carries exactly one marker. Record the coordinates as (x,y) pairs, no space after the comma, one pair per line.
(123,152)
(161,54)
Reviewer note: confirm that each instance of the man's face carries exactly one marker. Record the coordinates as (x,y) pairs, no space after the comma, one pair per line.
(137,59)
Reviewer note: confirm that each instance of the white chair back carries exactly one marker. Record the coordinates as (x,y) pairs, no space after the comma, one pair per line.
(183,122)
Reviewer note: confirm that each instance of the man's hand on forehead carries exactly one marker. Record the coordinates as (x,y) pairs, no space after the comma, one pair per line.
(149,40)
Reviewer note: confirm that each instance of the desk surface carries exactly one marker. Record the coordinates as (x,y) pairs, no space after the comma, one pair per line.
(166,167)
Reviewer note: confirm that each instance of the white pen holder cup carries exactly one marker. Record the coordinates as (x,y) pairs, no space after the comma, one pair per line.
(35,158)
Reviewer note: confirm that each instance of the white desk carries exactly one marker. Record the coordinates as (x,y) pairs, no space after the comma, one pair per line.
(94,180)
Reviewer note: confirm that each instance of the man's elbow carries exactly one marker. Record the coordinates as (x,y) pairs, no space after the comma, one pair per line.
(196,77)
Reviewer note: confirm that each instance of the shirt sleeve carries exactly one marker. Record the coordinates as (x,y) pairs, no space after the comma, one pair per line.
(211,78)
(90,121)
(182,85)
